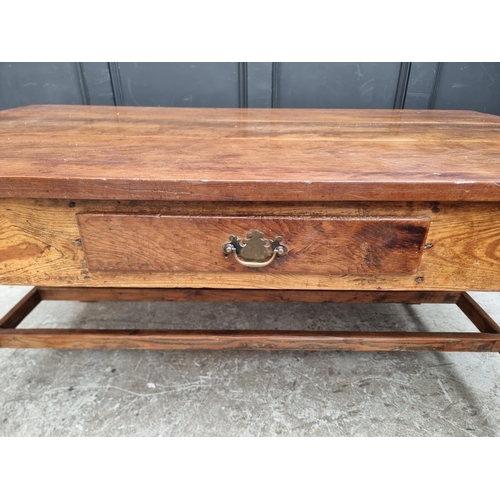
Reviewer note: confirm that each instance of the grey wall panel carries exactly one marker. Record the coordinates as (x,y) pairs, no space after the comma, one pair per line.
(336,85)
(98,83)
(39,83)
(420,85)
(179,84)
(469,86)
(260,84)
(402,85)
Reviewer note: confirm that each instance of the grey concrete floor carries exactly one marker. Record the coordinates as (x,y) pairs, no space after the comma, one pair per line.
(242,393)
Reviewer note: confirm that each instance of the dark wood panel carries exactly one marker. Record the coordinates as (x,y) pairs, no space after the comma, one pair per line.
(153,243)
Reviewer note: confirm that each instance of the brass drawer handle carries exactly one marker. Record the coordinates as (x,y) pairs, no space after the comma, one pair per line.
(254,249)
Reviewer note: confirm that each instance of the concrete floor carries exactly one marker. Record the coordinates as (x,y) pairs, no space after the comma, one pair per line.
(242,393)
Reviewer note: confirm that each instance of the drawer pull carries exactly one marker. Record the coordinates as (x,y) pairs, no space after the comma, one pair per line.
(255,251)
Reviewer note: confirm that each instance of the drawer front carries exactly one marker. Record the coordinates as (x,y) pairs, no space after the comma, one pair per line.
(331,246)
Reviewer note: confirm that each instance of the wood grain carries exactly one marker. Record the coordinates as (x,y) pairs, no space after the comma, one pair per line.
(127,242)
(262,340)
(478,316)
(487,340)
(86,152)
(40,245)
(245,295)
(16,315)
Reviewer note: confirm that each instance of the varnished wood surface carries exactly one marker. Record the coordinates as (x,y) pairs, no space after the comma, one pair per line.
(128,242)
(487,340)
(478,316)
(245,295)
(40,245)
(16,315)
(247,154)
(264,340)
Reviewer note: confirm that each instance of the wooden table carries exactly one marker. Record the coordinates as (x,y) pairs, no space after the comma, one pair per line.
(110,203)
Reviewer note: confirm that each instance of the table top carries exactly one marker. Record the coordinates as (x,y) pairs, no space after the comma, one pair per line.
(207,154)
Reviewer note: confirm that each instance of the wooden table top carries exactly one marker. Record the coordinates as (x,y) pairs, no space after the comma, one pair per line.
(131,153)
